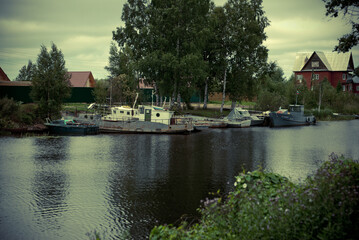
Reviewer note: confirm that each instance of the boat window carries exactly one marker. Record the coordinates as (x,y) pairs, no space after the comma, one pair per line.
(295,109)
(157,115)
(122,112)
(142,110)
(114,111)
(128,113)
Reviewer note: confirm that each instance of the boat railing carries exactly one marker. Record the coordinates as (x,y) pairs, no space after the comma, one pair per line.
(181,121)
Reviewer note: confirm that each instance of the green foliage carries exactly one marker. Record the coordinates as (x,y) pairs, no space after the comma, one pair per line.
(265,205)
(246,56)
(26,73)
(272,89)
(324,114)
(50,84)
(100,91)
(350,9)
(270,101)
(123,89)
(13,114)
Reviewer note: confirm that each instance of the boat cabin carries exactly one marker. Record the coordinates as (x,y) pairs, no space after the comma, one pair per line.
(142,113)
(296,108)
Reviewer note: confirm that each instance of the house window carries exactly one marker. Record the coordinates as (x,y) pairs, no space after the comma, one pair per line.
(344,76)
(357,88)
(315,64)
(315,77)
(300,77)
(350,88)
(343,88)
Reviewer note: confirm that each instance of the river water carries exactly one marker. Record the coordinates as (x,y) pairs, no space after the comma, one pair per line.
(121,186)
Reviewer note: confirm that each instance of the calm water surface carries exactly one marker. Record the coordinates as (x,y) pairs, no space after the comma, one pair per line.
(123,185)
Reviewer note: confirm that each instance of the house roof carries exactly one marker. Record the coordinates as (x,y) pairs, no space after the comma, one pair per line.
(144,85)
(79,79)
(15,83)
(3,76)
(333,61)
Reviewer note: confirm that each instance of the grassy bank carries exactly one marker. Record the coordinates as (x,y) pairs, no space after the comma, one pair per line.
(265,205)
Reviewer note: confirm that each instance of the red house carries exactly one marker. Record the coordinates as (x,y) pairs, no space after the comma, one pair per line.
(3,76)
(82,79)
(316,66)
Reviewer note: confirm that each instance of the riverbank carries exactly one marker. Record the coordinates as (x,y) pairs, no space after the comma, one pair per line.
(24,121)
(265,205)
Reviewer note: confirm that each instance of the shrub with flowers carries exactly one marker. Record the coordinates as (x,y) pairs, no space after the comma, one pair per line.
(266,205)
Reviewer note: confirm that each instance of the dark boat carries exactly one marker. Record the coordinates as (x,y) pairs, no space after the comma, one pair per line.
(294,116)
(71,127)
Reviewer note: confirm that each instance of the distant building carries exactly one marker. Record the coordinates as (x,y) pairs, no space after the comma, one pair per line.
(82,79)
(316,66)
(353,85)
(3,76)
(82,84)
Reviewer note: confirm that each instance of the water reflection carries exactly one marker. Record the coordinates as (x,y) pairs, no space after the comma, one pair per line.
(139,161)
(50,184)
(124,185)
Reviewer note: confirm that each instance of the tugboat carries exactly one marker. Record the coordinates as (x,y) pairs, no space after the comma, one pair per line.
(293,116)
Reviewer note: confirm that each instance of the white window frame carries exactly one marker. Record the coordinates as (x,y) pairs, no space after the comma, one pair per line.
(357,88)
(344,76)
(343,88)
(315,76)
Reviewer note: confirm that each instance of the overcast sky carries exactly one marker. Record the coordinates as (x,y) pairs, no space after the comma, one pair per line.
(82,29)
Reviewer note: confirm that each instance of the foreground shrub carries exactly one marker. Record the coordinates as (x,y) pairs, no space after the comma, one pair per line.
(268,206)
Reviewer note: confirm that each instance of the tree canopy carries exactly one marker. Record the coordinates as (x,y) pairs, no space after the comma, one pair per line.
(50,84)
(349,8)
(185,46)
(26,73)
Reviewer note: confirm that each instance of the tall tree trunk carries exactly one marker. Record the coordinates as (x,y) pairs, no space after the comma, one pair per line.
(224,89)
(205,94)
(156,91)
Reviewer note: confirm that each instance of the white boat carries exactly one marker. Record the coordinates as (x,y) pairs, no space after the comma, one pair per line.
(144,119)
(238,123)
(240,114)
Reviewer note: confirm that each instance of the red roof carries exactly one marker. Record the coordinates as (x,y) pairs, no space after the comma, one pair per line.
(3,76)
(15,83)
(82,79)
(143,85)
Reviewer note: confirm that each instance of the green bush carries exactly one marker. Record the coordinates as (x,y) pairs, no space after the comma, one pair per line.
(268,206)
(323,114)
(14,115)
(8,107)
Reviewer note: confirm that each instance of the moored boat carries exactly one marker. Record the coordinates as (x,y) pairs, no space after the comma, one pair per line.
(238,123)
(71,127)
(293,116)
(239,114)
(144,119)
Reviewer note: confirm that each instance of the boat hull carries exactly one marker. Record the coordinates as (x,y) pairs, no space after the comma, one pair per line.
(73,130)
(144,127)
(287,120)
(239,124)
